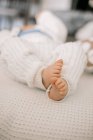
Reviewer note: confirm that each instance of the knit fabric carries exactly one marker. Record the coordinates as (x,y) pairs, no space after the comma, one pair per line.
(25,60)
(37,37)
(74,60)
(27,114)
(85,32)
(53,26)
(49,28)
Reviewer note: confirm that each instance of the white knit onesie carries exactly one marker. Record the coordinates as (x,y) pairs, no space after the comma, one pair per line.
(25,61)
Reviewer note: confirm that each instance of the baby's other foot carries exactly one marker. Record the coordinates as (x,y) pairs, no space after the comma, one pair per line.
(59,90)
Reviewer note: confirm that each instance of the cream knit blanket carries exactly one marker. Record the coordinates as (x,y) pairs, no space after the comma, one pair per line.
(27,114)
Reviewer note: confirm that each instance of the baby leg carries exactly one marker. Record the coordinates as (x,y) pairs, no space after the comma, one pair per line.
(52,25)
(74,62)
(52,75)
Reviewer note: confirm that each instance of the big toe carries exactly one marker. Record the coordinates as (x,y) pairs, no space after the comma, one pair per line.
(60,62)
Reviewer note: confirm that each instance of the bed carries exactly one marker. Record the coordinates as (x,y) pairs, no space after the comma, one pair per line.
(28,114)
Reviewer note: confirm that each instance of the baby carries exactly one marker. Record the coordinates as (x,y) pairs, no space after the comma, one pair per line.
(43,61)
(40,65)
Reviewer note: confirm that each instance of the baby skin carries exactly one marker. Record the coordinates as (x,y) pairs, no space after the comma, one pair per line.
(52,75)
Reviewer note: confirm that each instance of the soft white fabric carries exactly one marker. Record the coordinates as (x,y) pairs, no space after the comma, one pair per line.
(25,61)
(26,114)
(52,25)
(35,37)
(53,28)
(88,50)
(90,56)
(85,32)
(89,53)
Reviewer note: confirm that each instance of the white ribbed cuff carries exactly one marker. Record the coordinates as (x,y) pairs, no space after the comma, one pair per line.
(69,86)
(88,50)
(86,46)
(38,80)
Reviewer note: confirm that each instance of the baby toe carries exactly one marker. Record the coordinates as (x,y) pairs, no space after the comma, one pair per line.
(59,63)
(57,71)
(58,82)
(53,80)
(56,75)
(63,89)
(57,67)
(61,85)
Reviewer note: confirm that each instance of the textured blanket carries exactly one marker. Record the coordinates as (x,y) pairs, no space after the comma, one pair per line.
(28,114)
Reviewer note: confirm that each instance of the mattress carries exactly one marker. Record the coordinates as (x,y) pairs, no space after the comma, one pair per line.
(28,114)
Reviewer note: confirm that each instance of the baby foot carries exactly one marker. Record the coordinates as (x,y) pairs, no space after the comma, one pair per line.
(51,73)
(58,90)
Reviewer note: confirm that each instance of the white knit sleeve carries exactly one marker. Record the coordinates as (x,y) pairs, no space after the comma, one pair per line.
(74,62)
(21,62)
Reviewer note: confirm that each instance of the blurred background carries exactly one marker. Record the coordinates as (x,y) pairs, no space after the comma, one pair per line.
(74,13)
